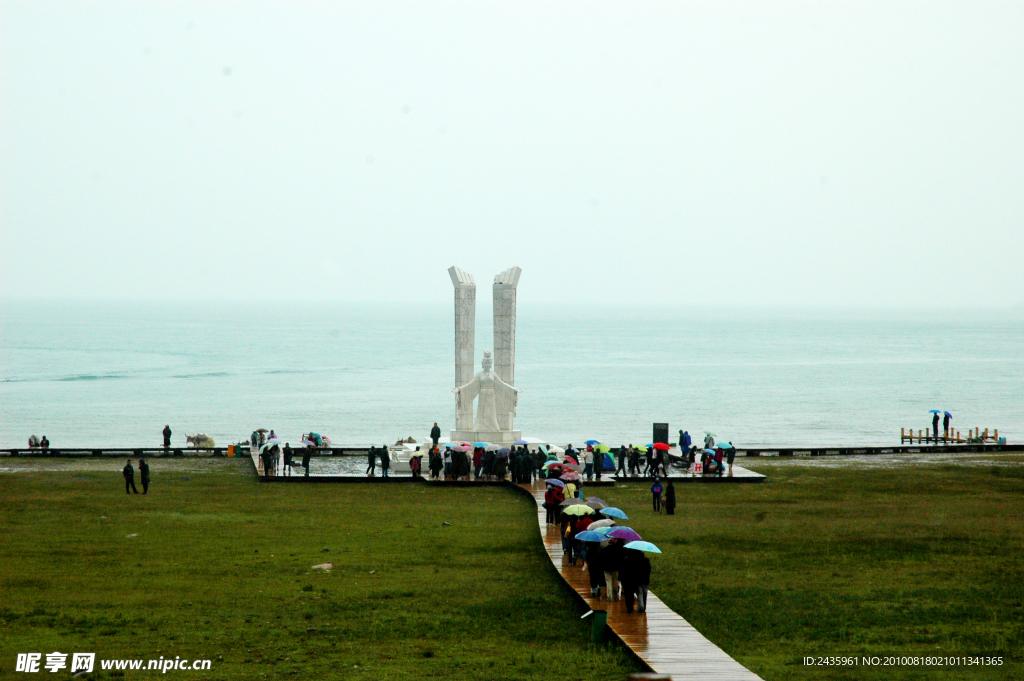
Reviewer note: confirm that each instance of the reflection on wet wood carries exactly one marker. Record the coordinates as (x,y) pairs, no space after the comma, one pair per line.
(660,637)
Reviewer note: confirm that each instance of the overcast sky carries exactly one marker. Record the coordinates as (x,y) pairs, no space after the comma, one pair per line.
(668,153)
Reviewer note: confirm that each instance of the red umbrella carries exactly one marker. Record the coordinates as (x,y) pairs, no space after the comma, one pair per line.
(662,446)
(570,476)
(569,458)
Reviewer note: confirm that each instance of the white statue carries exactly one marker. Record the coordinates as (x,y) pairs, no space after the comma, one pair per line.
(496,397)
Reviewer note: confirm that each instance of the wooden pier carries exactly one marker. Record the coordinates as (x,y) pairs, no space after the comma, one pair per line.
(665,642)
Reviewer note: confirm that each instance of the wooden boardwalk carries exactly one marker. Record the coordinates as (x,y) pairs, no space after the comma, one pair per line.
(660,637)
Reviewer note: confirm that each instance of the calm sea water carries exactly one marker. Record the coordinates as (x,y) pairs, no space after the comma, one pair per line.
(91,374)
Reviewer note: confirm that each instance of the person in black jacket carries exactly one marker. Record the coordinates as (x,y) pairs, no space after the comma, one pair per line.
(129,477)
(635,575)
(435,433)
(287,459)
(144,475)
(594,569)
(371,461)
(670,499)
(167,436)
(610,560)
(621,457)
(305,461)
(385,462)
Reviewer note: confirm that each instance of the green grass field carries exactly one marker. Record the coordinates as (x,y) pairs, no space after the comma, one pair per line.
(823,561)
(220,569)
(818,561)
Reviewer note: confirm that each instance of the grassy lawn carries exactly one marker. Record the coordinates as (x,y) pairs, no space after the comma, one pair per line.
(219,567)
(817,561)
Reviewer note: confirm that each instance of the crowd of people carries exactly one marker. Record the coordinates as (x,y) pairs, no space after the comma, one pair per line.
(613,569)
(465,462)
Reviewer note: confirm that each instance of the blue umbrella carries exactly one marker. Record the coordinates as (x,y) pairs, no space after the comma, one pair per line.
(449,445)
(612,512)
(593,442)
(949,415)
(481,444)
(645,546)
(555,481)
(591,536)
(934,411)
(710,451)
(650,445)
(520,442)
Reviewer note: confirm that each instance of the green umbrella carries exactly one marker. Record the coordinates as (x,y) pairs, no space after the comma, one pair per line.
(578,509)
(712,434)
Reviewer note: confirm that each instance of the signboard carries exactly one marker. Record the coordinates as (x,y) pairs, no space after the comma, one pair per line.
(660,433)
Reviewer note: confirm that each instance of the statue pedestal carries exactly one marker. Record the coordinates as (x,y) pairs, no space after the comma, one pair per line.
(495,437)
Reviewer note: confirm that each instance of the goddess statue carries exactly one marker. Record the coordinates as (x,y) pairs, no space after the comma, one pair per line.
(495,397)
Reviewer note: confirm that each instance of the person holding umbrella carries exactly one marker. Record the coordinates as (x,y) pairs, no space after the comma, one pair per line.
(610,560)
(635,575)
(549,503)
(945,425)
(935,424)
(588,462)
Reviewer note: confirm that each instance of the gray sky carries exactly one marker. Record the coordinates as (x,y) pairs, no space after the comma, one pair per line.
(687,153)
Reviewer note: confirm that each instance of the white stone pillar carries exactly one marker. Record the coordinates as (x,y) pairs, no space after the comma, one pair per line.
(505,333)
(465,336)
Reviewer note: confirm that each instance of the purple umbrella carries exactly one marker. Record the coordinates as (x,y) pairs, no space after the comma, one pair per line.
(556,482)
(626,533)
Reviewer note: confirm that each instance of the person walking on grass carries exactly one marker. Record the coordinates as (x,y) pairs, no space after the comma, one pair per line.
(144,475)
(385,462)
(670,499)
(371,462)
(129,477)
(167,436)
(656,494)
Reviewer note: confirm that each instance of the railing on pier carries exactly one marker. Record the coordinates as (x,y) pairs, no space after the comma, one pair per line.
(952,436)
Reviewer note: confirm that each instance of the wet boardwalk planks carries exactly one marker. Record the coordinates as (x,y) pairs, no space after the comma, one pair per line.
(660,637)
